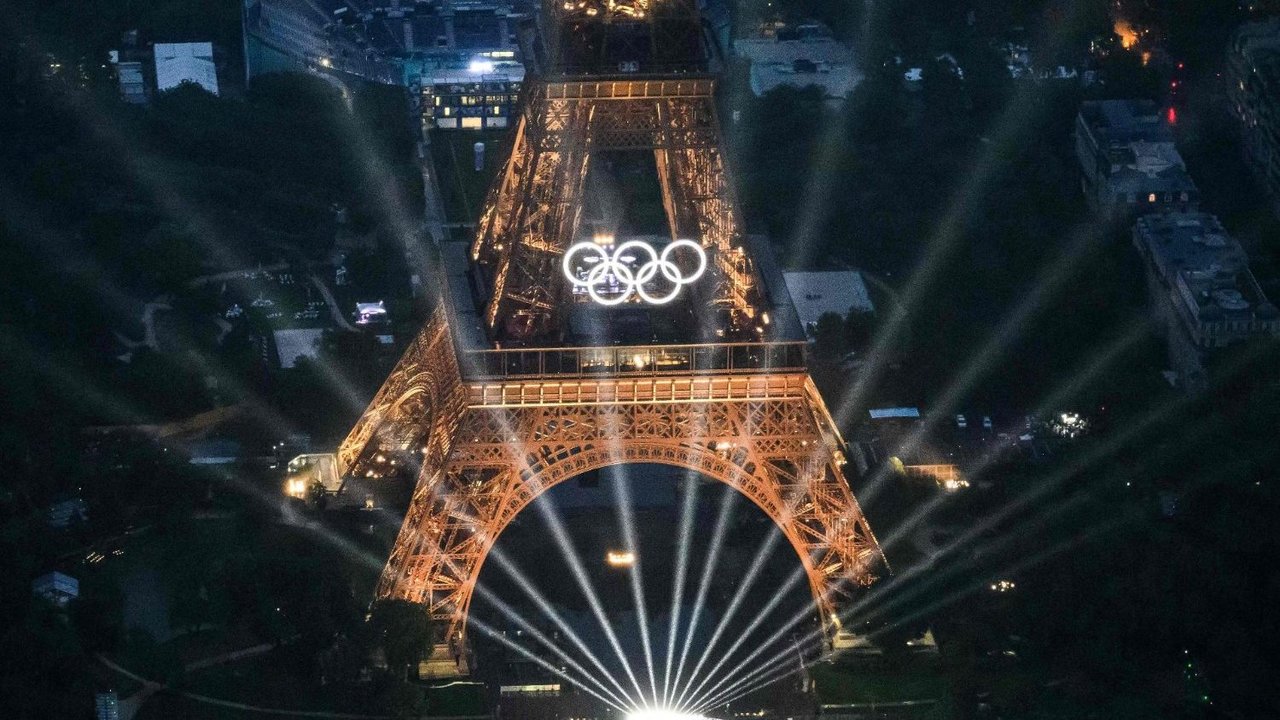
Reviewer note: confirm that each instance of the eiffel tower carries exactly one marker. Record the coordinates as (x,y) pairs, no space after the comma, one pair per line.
(504,394)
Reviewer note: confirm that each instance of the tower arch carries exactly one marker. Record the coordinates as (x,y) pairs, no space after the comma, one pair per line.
(764,437)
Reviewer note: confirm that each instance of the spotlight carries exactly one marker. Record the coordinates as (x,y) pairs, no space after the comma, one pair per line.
(620,559)
(663,715)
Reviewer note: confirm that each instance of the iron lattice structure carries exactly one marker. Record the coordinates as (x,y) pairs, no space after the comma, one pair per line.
(740,410)
(533,210)
(602,36)
(487,447)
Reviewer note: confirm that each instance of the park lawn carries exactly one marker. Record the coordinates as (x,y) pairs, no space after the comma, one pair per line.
(462,188)
(167,705)
(457,698)
(194,554)
(272,681)
(268,681)
(837,685)
(171,705)
(210,641)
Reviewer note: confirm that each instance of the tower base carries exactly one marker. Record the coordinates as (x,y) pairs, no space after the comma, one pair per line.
(446,661)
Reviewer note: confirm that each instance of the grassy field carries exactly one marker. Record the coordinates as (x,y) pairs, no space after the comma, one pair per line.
(839,685)
(259,682)
(462,188)
(263,565)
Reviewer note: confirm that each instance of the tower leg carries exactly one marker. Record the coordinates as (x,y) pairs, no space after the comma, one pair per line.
(447,660)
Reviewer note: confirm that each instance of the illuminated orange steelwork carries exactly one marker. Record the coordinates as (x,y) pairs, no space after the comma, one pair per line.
(532,212)
(490,446)
(489,429)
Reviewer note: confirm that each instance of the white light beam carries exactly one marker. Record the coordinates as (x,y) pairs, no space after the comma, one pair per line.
(687,511)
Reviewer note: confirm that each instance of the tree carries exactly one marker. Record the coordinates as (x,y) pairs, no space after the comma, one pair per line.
(348,657)
(168,256)
(829,340)
(405,632)
(943,90)
(859,327)
(98,621)
(317,495)
(401,699)
(780,153)
(41,663)
(875,109)
(1125,76)
(986,80)
(151,659)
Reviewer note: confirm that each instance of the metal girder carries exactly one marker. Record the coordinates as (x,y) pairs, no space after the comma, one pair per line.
(411,418)
(491,448)
(595,36)
(484,448)
(532,211)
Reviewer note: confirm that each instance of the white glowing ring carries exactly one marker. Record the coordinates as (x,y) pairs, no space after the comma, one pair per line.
(666,261)
(597,275)
(618,265)
(567,266)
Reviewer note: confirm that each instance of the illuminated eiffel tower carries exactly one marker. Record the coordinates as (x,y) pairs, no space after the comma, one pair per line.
(500,397)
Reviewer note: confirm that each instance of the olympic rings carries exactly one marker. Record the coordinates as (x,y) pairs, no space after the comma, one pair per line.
(623,271)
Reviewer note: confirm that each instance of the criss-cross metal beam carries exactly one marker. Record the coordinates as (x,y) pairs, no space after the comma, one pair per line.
(532,212)
(743,411)
(488,448)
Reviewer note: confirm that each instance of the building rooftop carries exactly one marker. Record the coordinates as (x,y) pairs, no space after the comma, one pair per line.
(800,62)
(462,69)
(1135,151)
(1189,241)
(815,294)
(294,343)
(63,513)
(894,412)
(385,40)
(1125,121)
(405,29)
(178,63)
(1145,174)
(133,87)
(56,587)
(1194,253)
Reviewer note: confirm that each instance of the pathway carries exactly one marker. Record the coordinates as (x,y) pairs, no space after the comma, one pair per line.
(148,319)
(332,302)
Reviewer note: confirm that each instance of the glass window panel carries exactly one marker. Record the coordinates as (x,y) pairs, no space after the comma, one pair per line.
(597,361)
